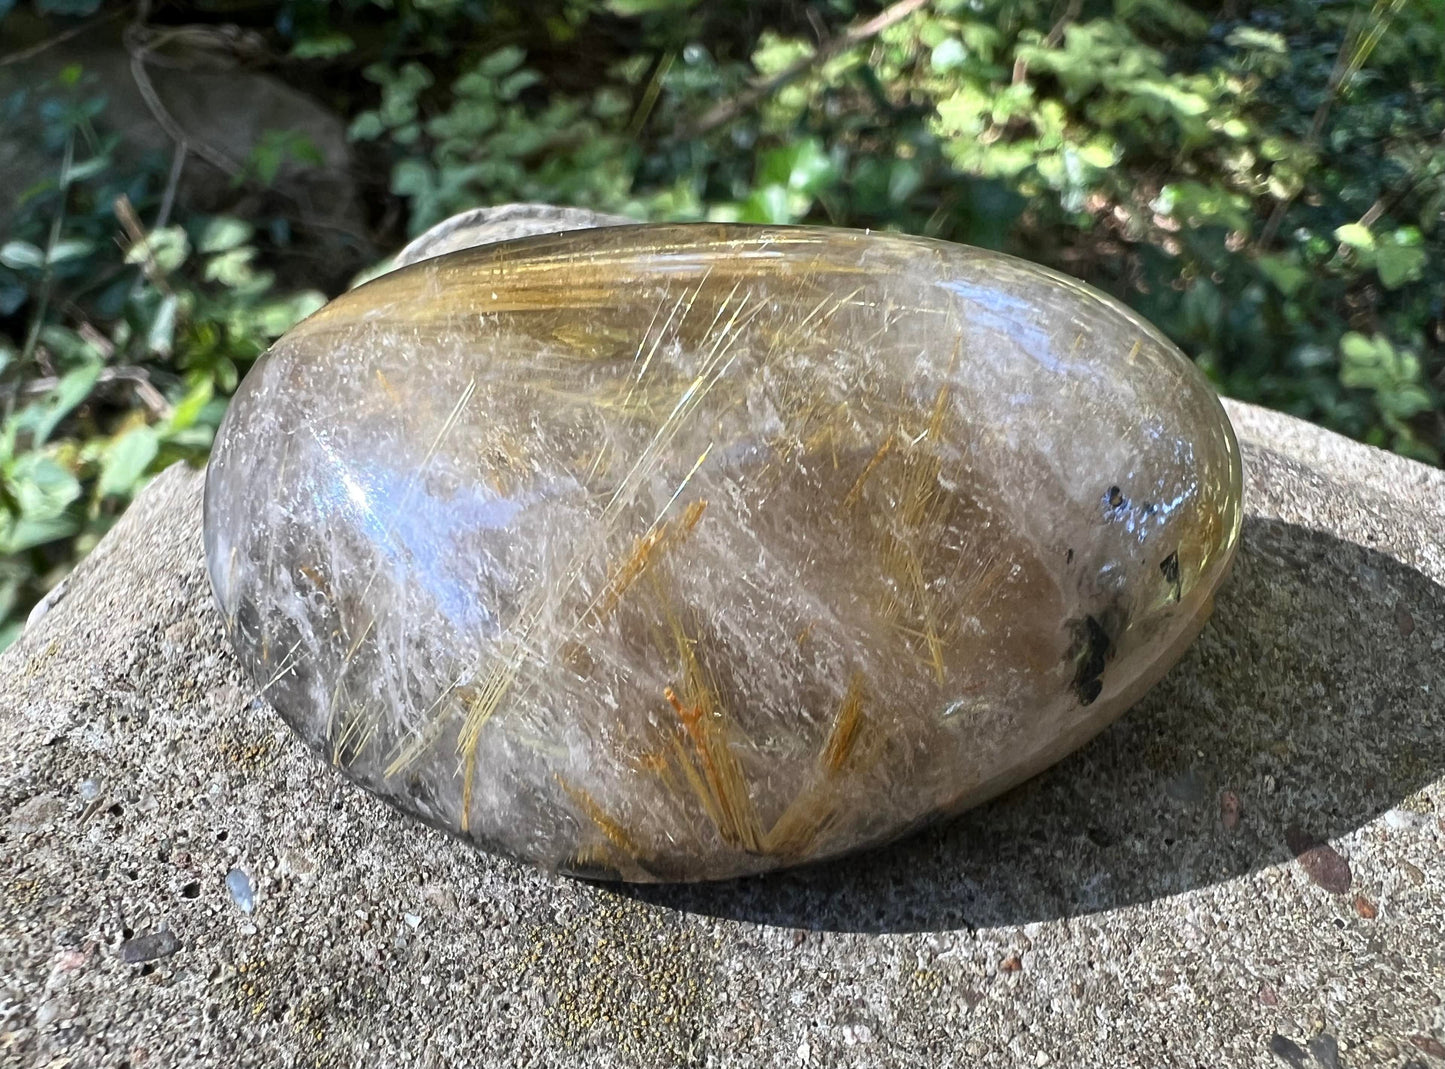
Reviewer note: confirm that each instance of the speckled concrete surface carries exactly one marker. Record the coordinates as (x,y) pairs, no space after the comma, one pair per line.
(1139,904)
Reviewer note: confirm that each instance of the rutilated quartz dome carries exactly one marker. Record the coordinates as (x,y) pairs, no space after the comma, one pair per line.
(683,552)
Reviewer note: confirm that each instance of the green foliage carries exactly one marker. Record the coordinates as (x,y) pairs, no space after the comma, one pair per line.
(1267,186)
(124,349)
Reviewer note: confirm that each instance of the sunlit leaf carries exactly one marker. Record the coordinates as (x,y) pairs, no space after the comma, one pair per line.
(126,460)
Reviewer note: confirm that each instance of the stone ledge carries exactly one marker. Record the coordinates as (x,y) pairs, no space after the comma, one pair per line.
(1137,904)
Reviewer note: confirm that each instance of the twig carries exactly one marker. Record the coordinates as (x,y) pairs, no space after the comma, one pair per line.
(856,34)
(135,233)
(650,95)
(1055,35)
(21,55)
(139,50)
(47,282)
(138,378)
(1347,64)
(168,199)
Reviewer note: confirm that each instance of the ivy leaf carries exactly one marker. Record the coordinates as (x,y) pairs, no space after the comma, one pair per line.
(1355,236)
(224,233)
(167,247)
(42,486)
(1399,264)
(21,254)
(502,61)
(366,127)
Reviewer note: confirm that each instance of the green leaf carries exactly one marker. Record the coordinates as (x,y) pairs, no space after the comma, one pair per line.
(502,61)
(21,254)
(43,416)
(1257,40)
(126,460)
(1399,264)
(276,318)
(41,486)
(776,53)
(232,269)
(366,127)
(1359,350)
(189,408)
(1355,236)
(1098,154)
(70,250)
(323,46)
(224,233)
(161,335)
(948,55)
(1284,272)
(514,83)
(167,248)
(81,170)
(628,9)
(26,533)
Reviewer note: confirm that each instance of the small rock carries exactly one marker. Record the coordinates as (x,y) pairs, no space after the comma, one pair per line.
(1403,619)
(1288,1050)
(1229,810)
(1268,996)
(239,885)
(1365,908)
(1404,820)
(1187,788)
(36,814)
(45,604)
(89,790)
(50,1010)
(1321,862)
(159,944)
(1326,1051)
(1010,964)
(413,921)
(1430,1045)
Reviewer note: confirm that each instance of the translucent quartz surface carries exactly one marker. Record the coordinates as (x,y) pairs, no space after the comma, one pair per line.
(670,552)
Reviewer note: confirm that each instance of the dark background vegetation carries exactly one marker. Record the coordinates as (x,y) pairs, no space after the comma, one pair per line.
(179,182)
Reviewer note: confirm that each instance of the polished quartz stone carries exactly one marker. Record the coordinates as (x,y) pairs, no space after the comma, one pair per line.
(670,552)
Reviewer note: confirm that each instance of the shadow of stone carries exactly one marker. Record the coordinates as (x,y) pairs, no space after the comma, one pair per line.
(1313,701)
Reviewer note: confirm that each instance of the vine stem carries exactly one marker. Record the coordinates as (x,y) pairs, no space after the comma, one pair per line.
(47,282)
(855,34)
